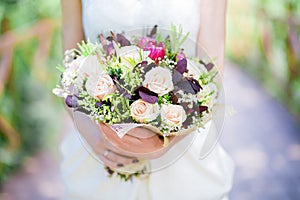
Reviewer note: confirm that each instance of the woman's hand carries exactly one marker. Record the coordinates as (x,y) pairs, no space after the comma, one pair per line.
(110,155)
(115,151)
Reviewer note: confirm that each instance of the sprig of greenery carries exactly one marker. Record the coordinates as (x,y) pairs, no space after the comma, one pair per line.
(86,48)
(206,78)
(60,68)
(125,177)
(176,37)
(165,99)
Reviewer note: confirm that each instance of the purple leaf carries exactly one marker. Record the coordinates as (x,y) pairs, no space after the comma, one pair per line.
(174,98)
(110,49)
(147,95)
(113,36)
(149,67)
(144,64)
(190,111)
(148,98)
(127,96)
(181,66)
(208,66)
(195,84)
(99,104)
(153,32)
(103,41)
(186,86)
(176,77)
(109,38)
(71,101)
(122,40)
(203,108)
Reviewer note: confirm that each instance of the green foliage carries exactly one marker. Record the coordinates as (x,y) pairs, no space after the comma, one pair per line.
(177,38)
(26,102)
(264,38)
(86,48)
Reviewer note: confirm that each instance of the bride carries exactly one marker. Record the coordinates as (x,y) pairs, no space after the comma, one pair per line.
(187,178)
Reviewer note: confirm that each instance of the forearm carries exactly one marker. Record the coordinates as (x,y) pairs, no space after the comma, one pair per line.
(72,31)
(212,32)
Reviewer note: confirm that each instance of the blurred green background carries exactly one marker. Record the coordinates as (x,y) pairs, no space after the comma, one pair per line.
(263,39)
(30,47)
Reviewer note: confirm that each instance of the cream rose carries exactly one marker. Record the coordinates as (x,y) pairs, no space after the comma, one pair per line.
(100,86)
(143,111)
(173,115)
(159,80)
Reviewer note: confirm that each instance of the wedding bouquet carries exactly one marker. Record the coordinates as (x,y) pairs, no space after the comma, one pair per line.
(143,81)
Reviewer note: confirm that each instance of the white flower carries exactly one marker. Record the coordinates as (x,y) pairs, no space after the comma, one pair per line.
(70,73)
(159,80)
(143,111)
(100,86)
(90,66)
(128,53)
(173,115)
(78,69)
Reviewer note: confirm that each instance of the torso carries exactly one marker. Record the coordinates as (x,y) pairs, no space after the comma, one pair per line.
(101,16)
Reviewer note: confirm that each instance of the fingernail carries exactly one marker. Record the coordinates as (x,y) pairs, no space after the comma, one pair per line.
(120,165)
(135,161)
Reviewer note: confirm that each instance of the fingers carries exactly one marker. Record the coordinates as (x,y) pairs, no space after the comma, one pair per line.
(141,133)
(115,160)
(111,156)
(131,144)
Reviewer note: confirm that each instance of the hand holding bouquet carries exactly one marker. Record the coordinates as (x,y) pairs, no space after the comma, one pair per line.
(143,82)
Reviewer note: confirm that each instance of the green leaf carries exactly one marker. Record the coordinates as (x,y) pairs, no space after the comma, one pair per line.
(60,68)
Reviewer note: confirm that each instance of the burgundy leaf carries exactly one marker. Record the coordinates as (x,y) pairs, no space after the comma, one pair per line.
(195,84)
(202,108)
(122,40)
(71,101)
(174,98)
(181,66)
(149,67)
(148,98)
(153,32)
(190,111)
(128,96)
(176,77)
(186,86)
(147,95)
(144,64)
(110,49)
(99,104)
(109,38)
(208,66)
(113,36)
(103,42)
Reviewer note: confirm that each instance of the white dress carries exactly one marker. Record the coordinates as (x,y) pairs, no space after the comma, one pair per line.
(189,177)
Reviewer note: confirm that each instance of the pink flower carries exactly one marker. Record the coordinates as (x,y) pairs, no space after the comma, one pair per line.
(180,56)
(157,52)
